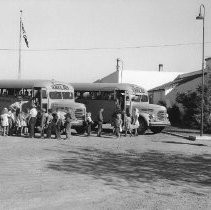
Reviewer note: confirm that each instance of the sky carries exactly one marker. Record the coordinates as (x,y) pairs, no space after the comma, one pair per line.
(80,40)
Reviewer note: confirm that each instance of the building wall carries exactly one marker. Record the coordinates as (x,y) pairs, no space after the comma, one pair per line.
(148,79)
(145,79)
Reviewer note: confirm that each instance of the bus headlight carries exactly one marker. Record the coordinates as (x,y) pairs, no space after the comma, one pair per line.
(151,117)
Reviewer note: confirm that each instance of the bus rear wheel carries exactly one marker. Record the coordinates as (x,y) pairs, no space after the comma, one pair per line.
(80,130)
(156,129)
(142,126)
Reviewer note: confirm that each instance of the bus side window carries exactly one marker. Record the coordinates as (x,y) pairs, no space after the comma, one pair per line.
(44,94)
(26,92)
(10,91)
(98,96)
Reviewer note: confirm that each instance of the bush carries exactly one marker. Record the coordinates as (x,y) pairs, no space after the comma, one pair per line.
(174,115)
(191,102)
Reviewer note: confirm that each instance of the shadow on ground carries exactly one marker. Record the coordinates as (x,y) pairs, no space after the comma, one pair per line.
(177,142)
(134,167)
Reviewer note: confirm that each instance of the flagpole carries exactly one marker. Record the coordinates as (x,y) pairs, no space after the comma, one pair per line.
(20,38)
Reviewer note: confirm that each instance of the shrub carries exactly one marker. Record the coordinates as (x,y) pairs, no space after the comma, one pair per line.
(174,115)
(191,102)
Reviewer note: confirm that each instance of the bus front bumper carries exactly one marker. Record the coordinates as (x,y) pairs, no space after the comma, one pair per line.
(77,123)
(159,123)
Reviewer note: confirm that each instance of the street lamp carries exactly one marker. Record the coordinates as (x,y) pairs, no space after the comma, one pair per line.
(202,17)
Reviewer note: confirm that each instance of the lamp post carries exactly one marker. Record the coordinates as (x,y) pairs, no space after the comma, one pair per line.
(202,17)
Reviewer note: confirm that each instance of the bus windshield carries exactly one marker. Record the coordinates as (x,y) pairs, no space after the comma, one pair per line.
(67,95)
(144,98)
(60,95)
(139,98)
(55,95)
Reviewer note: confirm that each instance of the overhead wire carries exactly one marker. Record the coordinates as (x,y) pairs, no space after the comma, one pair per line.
(107,48)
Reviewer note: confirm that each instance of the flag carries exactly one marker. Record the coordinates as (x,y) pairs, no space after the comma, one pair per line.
(24,34)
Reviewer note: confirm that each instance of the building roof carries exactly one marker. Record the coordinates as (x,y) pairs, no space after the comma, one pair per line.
(180,79)
(145,79)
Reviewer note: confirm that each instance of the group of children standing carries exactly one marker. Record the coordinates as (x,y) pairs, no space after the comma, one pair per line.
(23,123)
(14,123)
(131,124)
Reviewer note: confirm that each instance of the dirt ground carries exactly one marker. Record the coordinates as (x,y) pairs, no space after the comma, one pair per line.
(145,172)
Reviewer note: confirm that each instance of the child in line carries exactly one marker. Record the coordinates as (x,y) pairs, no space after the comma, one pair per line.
(128,125)
(69,117)
(118,125)
(23,123)
(11,119)
(5,122)
(89,123)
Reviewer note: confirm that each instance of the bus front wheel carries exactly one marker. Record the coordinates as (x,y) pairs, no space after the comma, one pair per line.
(142,126)
(80,130)
(156,129)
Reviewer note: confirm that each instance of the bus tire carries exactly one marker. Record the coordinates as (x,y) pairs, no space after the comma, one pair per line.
(142,126)
(80,130)
(157,129)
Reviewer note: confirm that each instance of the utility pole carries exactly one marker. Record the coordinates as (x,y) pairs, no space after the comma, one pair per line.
(117,64)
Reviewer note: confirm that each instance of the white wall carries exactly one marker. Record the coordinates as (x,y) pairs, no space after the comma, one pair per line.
(147,79)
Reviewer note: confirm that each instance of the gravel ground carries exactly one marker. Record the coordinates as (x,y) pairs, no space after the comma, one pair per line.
(145,172)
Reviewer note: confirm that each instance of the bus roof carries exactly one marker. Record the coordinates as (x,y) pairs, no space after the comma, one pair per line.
(27,83)
(108,87)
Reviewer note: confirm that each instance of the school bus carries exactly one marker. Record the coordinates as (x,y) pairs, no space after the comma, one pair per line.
(48,94)
(128,97)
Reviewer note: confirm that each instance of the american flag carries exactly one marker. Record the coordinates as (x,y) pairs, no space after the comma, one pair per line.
(24,34)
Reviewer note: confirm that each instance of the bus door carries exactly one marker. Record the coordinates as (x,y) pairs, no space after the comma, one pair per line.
(128,104)
(120,96)
(36,99)
(44,99)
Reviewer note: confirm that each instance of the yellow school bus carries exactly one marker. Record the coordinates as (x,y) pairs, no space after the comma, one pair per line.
(48,94)
(128,97)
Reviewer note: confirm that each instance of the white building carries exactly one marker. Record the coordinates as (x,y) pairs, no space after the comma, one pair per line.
(145,79)
(187,82)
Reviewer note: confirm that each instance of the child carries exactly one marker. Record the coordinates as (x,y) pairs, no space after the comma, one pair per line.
(118,125)
(18,124)
(49,123)
(5,121)
(11,118)
(89,123)
(100,122)
(69,117)
(44,116)
(23,123)
(128,126)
